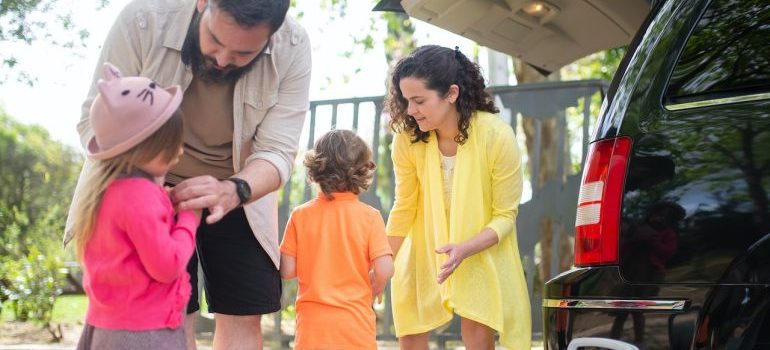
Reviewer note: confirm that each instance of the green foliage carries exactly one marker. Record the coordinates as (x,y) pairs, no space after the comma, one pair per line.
(385,182)
(288,299)
(35,281)
(31,21)
(601,65)
(294,11)
(398,41)
(299,183)
(289,312)
(37,177)
(336,9)
(16,13)
(36,183)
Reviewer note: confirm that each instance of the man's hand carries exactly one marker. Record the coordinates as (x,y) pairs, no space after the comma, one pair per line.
(206,192)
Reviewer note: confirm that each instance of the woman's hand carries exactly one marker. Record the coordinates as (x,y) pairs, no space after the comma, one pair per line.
(457,252)
(455,255)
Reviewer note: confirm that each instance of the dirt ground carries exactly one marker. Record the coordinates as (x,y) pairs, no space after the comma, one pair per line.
(12,332)
(15,333)
(18,333)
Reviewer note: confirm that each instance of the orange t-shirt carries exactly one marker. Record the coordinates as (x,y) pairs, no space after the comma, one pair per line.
(334,243)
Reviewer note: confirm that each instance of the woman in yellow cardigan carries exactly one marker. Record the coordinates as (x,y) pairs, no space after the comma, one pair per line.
(453,223)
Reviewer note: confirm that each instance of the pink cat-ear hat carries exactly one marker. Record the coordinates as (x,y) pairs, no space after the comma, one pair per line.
(127,111)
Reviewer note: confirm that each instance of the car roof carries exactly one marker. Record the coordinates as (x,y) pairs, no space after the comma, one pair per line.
(545,34)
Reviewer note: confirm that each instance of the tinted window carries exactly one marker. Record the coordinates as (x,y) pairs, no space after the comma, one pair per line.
(728,53)
(696,206)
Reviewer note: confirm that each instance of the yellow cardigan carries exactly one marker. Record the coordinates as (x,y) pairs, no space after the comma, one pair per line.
(488,287)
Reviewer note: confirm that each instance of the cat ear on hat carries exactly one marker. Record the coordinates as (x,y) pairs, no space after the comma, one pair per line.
(104,88)
(110,71)
(111,76)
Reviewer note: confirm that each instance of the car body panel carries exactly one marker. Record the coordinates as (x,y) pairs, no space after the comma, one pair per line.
(694,269)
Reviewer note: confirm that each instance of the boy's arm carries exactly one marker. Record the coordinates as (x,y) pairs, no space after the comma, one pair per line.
(288,267)
(383,270)
(289,250)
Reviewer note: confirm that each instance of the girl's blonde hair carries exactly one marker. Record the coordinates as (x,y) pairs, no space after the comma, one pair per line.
(167,140)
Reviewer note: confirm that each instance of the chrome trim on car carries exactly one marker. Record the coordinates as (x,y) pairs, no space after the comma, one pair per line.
(636,304)
(605,343)
(717,101)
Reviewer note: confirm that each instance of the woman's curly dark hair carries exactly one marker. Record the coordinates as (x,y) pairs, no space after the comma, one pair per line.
(439,67)
(340,162)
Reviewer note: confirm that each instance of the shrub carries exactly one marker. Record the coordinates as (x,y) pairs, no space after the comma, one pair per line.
(31,285)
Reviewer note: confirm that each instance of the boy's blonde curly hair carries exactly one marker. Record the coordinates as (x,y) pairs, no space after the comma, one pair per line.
(340,162)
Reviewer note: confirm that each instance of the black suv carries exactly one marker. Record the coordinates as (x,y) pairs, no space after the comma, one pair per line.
(672,237)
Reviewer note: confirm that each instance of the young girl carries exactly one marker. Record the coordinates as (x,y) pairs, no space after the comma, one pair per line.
(458,185)
(133,248)
(331,244)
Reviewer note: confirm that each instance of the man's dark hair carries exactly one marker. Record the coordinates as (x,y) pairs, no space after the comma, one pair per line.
(249,13)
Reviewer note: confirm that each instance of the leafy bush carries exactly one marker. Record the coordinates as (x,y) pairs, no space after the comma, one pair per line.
(32,285)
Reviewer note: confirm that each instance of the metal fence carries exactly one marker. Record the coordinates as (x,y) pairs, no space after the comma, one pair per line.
(566,103)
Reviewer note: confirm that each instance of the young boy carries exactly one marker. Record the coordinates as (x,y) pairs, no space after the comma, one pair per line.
(336,247)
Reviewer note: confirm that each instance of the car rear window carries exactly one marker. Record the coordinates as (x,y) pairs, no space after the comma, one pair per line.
(727,55)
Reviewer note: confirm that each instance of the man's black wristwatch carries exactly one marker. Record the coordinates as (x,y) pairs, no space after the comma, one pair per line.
(242,188)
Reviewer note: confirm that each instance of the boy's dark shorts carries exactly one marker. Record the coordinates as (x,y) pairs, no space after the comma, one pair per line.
(239,276)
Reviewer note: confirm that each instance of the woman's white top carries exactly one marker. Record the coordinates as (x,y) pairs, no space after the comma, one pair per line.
(447,170)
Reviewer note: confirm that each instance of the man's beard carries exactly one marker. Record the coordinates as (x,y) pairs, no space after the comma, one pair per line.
(204,67)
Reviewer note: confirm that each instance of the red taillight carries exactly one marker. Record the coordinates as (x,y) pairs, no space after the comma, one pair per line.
(598,214)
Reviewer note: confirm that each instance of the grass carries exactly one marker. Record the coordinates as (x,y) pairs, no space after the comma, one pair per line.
(68,309)
(7,314)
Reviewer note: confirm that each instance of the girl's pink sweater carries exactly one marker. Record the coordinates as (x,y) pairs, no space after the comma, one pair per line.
(135,263)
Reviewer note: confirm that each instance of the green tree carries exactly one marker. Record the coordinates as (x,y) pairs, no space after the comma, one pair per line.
(28,22)
(600,65)
(399,43)
(36,184)
(37,177)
